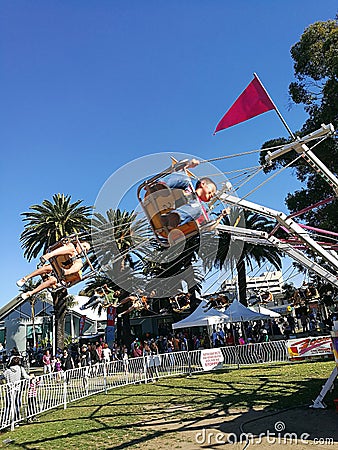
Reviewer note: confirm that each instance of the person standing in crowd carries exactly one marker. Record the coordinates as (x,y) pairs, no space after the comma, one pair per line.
(85,364)
(221,336)
(214,337)
(106,353)
(304,319)
(47,362)
(67,363)
(196,342)
(125,359)
(148,360)
(176,343)
(84,356)
(292,323)
(229,340)
(286,329)
(276,331)
(99,350)
(94,358)
(13,374)
(2,351)
(58,368)
(183,343)
(32,398)
(156,358)
(137,351)
(263,335)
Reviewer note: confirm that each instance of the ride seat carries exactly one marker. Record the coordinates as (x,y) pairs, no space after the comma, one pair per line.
(58,263)
(160,200)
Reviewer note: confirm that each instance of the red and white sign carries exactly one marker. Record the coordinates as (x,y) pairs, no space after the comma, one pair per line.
(211,358)
(311,346)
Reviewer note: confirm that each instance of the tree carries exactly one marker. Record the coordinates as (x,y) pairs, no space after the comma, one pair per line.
(167,268)
(316,87)
(116,238)
(45,225)
(248,252)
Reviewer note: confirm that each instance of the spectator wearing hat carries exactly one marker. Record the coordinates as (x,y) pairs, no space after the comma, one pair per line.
(264,336)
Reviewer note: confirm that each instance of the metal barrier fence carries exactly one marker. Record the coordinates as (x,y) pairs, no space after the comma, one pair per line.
(22,401)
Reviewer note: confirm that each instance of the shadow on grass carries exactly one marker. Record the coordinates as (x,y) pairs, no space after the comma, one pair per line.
(145,413)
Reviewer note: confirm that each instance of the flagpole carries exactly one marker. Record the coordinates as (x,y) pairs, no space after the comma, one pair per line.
(276,109)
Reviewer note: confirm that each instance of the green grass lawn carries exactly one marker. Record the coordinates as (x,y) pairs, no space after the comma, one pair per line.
(123,418)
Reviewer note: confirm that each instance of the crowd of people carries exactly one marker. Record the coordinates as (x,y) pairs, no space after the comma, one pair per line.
(304,321)
(150,347)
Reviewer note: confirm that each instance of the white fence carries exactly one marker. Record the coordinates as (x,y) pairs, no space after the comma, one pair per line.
(18,402)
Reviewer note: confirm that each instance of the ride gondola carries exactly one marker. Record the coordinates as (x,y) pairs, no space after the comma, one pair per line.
(158,200)
(61,262)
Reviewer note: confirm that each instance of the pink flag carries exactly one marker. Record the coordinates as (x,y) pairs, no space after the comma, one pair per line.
(254,100)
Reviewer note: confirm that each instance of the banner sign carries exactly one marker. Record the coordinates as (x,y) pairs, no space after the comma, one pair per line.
(334,335)
(110,336)
(82,324)
(212,359)
(111,316)
(310,346)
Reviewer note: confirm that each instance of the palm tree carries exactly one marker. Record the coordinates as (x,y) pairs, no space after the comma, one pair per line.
(168,267)
(117,240)
(45,225)
(248,252)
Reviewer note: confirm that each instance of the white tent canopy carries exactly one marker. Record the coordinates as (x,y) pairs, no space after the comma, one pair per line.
(237,312)
(262,310)
(200,318)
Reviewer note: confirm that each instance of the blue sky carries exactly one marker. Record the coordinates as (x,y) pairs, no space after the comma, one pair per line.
(87,87)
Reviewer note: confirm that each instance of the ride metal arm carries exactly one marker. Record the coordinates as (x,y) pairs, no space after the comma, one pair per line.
(300,147)
(263,238)
(286,222)
(304,260)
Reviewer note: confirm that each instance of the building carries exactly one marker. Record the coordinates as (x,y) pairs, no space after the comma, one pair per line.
(267,281)
(19,329)
(156,325)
